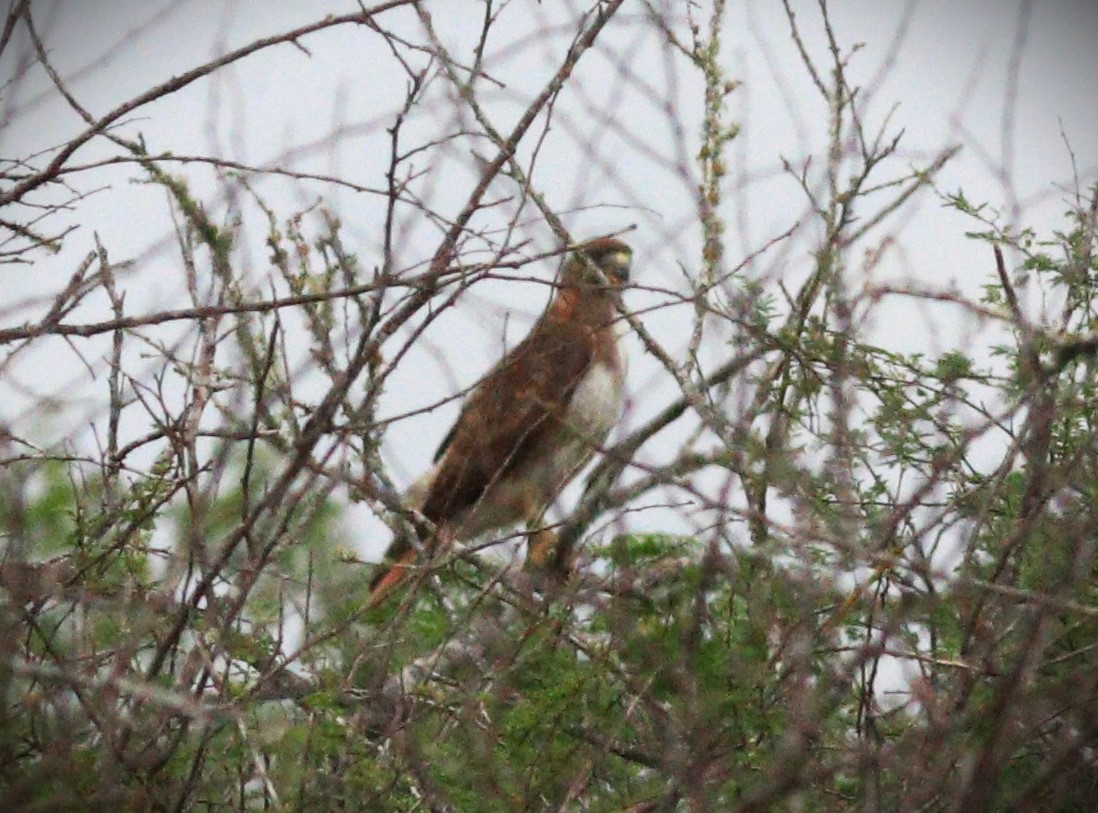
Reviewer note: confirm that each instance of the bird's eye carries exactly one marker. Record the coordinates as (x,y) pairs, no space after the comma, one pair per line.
(618,264)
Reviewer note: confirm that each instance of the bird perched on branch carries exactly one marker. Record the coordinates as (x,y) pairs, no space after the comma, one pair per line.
(532,422)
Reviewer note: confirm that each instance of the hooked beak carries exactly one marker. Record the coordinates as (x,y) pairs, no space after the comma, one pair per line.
(617,265)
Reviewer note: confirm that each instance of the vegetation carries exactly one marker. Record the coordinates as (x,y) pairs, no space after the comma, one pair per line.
(874,587)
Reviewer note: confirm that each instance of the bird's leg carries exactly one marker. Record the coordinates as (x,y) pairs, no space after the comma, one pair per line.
(541,541)
(548,571)
(540,548)
(542,556)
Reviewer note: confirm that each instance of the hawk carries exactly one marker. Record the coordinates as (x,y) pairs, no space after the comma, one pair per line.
(533,421)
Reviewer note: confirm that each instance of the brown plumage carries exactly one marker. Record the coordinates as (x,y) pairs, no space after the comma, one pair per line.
(534,420)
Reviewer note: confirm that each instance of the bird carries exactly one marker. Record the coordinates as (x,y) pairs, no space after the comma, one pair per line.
(531,423)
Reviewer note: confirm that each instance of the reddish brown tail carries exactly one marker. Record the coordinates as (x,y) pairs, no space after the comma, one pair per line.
(389,578)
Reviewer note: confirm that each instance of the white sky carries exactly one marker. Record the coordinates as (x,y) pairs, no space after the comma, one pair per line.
(609,159)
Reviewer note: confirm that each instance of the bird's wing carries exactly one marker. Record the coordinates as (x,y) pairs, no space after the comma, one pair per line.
(509,415)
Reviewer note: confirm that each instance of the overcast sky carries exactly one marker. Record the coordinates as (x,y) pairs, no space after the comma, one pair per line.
(1014,84)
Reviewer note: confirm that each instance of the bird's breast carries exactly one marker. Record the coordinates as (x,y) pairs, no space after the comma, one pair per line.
(593,411)
(597,401)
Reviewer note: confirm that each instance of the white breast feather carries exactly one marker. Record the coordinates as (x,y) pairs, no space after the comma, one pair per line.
(592,413)
(596,403)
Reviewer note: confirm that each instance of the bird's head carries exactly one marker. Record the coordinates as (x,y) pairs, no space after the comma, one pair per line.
(611,259)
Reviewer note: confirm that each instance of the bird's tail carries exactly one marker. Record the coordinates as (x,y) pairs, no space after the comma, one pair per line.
(390,575)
